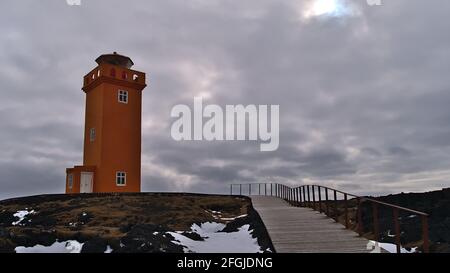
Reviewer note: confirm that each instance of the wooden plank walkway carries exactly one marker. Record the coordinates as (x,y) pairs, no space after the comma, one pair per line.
(302,230)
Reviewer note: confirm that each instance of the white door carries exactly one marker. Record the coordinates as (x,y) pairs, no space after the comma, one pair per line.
(86,182)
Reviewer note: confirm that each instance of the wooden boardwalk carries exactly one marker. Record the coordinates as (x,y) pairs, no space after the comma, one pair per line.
(302,230)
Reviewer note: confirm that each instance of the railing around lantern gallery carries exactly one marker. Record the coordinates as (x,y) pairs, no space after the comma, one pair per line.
(318,198)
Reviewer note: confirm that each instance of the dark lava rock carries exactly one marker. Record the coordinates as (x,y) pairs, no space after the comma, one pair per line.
(257,227)
(193,236)
(6,219)
(40,219)
(236,224)
(84,218)
(135,227)
(78,236)
(147,238)
(6,246)
(32,237)
(95,245)
(4,233)
(436,204)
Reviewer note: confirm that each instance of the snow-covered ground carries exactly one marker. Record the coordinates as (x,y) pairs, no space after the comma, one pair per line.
(391,248)
(57,247)
(214,242)
(218,242)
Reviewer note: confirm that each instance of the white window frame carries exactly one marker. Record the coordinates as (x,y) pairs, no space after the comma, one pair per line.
(122,96)
(121,175)
(92,134)
(70,181)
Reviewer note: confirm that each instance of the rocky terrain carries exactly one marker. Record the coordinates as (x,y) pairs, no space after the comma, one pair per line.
(130,223)
(436,204)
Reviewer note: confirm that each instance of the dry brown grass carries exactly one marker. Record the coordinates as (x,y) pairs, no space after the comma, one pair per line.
(108,215)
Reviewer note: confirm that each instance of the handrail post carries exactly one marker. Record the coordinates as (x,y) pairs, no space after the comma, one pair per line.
(327,202)
(375,222)
(265,189)
(249,189)
(319,189)
(259,188)
(314,197)
(360,222)
(300,192)
(294,193)
(304,197)
(336,213)
(397,230)
(231,189)
(425,235)
(293,196)
(271,189)
(347,223)
(240,189)
(309,197)
(294,199)
(288,194)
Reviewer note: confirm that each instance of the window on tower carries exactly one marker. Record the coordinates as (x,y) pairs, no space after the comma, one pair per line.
(121,178)
(123,96)
(92,135)
(70,181)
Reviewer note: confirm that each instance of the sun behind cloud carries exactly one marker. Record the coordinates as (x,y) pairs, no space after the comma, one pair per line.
(328,8)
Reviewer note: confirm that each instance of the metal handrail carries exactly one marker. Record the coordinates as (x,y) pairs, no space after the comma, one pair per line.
(305,196)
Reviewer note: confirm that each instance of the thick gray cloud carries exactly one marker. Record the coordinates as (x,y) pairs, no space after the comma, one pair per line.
(364,98)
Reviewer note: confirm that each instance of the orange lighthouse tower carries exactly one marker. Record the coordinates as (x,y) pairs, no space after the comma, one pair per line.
(112,135)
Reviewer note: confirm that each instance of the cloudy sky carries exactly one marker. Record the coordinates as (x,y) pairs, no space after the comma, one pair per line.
(364,91)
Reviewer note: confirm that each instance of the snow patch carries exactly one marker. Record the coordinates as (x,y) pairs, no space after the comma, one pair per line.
(108,249)
(391,248)
(218,242)
(58,247)
(21,214)
(218,215)
(232,219)
(215,214)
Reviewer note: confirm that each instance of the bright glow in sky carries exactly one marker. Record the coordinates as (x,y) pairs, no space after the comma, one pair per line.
(334,8)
